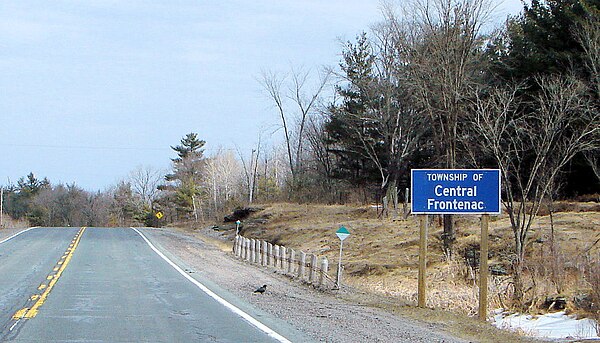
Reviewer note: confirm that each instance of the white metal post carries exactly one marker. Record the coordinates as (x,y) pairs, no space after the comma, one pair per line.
(338,281)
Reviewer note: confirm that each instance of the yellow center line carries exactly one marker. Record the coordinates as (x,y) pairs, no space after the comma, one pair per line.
(41,298)
(20,313)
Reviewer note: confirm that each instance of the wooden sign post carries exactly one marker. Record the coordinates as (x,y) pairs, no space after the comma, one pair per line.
(424,221)
(455,191)
(483,268)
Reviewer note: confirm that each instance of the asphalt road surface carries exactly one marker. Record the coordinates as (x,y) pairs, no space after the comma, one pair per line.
(108,285)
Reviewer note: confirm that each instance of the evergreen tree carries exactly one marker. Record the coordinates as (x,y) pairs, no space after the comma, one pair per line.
(347,121)
(375,130)
(543,40)
(546,39)
(19,199)
(187,172)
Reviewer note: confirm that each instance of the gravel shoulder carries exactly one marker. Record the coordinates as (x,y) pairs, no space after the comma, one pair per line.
(314,315)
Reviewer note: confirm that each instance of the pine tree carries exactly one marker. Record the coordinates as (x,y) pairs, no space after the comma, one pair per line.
(352,162)
(187,172)
(543,40)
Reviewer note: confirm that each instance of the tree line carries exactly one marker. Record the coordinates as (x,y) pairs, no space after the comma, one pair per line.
(432,84)
(197,188)
(429,85)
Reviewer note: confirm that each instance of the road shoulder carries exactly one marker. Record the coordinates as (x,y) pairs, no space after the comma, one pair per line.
(322,316)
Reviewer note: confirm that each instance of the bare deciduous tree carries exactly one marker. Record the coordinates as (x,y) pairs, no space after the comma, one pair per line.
(304,104)
(440,43)
(531,148)
(144,181)
(588,35)
(319,149)
(222,175)
(592,157)
(251,171)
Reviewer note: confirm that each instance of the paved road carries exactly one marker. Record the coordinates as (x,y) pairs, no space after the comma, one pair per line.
(109,286)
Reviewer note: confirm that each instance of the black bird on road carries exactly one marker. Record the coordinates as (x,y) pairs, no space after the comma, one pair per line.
(261,289)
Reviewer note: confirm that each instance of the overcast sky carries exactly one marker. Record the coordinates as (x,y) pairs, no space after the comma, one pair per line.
(91,89)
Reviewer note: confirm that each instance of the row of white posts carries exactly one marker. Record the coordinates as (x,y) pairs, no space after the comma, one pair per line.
(296,264)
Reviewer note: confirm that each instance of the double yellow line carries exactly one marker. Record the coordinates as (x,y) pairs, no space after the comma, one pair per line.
(39,299)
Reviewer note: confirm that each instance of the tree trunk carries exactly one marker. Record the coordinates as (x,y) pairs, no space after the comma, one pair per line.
(519,285)
(390,194)
(448,236)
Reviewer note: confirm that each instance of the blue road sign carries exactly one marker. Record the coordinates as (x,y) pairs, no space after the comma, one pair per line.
(455,191)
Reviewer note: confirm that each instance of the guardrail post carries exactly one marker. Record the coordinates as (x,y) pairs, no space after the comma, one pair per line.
(235,245)
(301,265)
(283,255)
(269,254)
(252,251)
(264,253)
(313,269)
(249,250)
(257,251)
(291,262)
(243,246)
(324,270)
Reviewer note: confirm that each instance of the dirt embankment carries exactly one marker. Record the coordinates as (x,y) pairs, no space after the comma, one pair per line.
(381,254)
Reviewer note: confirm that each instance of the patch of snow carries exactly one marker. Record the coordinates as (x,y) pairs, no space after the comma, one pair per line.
(556,325)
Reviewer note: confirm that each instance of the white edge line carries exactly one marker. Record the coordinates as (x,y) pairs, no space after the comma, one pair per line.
(213,295)
(15,324)
(16,234)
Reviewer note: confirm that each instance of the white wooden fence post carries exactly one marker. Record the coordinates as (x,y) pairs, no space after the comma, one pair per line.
(249,251)
(301,265)
(264,253)
(313,269)
(291,262)
(276,256)
(270,254)
(252,251)
(324,270)
(243,246)
(235,246)
(257,251)
(282,253)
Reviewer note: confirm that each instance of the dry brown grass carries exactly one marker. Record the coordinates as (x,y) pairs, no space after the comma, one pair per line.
(8,222)
(381,255)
